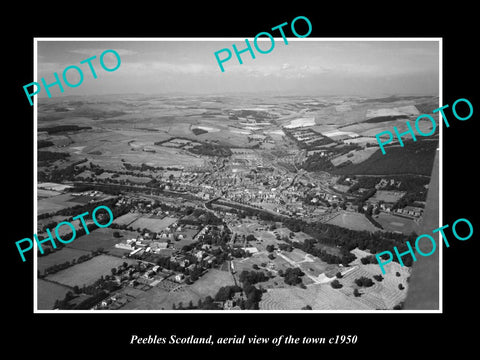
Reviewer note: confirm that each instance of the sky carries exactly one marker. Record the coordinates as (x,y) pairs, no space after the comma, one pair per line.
(310,66)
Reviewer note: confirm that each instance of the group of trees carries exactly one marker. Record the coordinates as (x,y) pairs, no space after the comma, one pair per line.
(336,284)
(370,259)
(44,143)
(293,276)
(57,267)
(63,128)
(372,220)
(310,247)
(347,240)
(210,149)
(253,295)
(226,292)
(364,281)
(414,158)
(252,277)
(316,162)
(207,304)
(98,291)
(51,155)
(201,217)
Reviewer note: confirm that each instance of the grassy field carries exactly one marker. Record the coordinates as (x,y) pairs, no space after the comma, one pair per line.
(88,272)
(353,221)
(397,223)
(209,283)
(48,292)
(55,203)
(62,230)
(100,238)
(153,224)
(58,257)
(387,196)
(127,218)
(158,299)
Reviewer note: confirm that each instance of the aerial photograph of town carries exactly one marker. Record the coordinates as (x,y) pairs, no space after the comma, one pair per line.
(261,188)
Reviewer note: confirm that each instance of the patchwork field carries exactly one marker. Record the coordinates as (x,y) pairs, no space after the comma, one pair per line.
(100,238)
(48,292)
(160,131)
(387,196)
(397,223)
(126,219)
(88,272)
(152,223)
(55,203)
(63,229)
(58,257)
(209,283)
(353,221)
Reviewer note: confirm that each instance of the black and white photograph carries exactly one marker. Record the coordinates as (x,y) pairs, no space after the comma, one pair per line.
(262,187)
(288,182)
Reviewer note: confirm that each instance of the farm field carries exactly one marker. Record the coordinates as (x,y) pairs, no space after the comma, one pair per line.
(158,299)
(89,271)
(55,203)
(209,283)
(161,132)
(397,223)
(44,193)
(152,223)
(101,238)
(126,219)
(58,257)
(48,292)
(62,230)
(387,196)
(353,221)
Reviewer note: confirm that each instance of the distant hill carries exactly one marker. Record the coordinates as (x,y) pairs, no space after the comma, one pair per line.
(63,128)
(413,158)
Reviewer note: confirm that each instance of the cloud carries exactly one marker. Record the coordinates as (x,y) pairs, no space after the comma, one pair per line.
(158,67)
(92,51)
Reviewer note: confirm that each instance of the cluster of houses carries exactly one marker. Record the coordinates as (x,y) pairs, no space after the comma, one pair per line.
(413,212)
(387,182)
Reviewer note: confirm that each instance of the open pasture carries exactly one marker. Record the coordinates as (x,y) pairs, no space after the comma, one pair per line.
(100,238)
(353,221)
(211,282)
(89,271)
(387,196)
(153,223)
(48,292)
(59,257)
(55,203)
(396,223)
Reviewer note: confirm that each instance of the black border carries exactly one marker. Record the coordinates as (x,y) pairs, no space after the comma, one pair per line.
(381,334)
